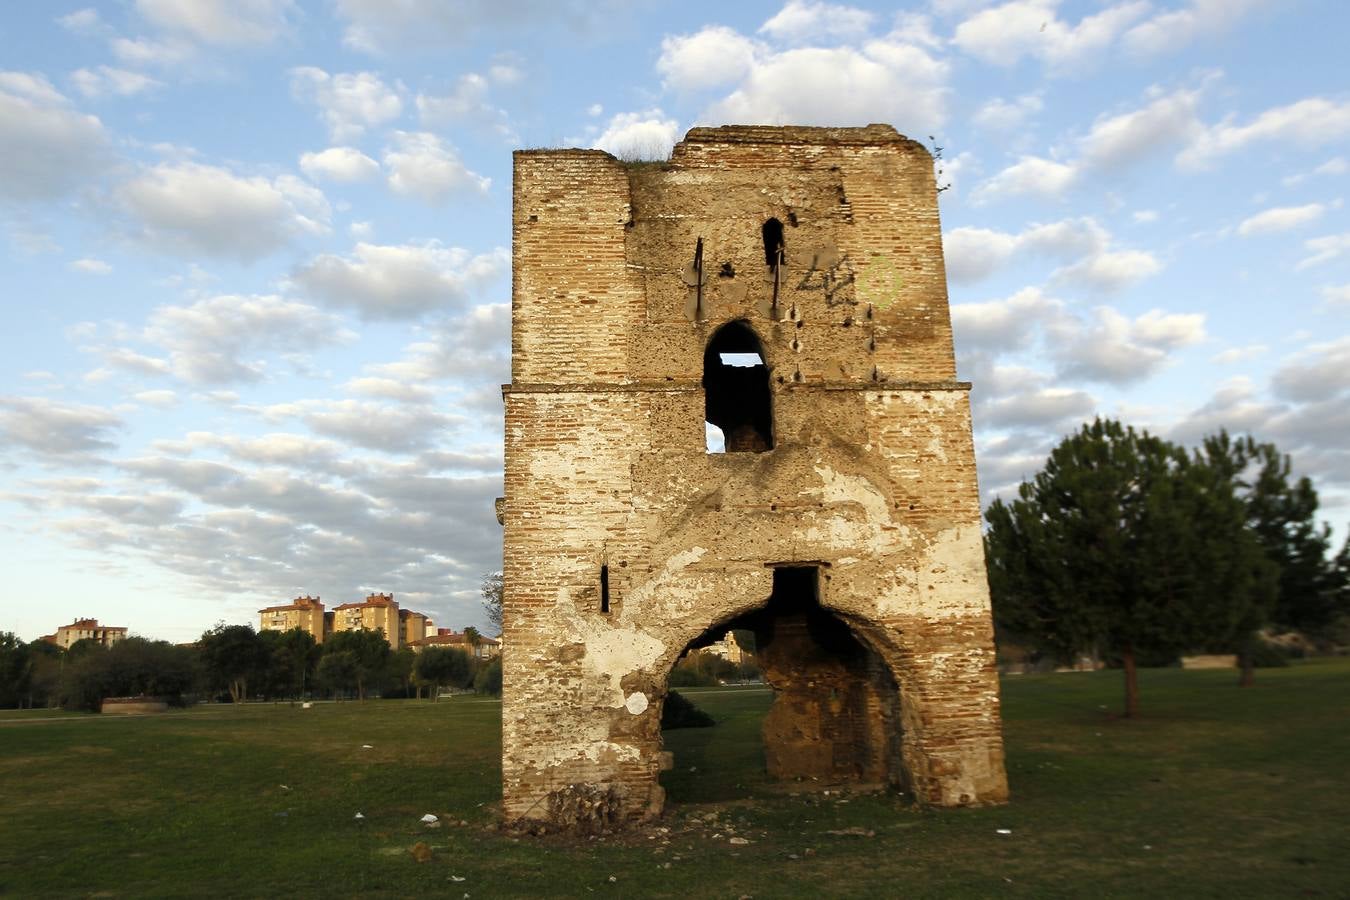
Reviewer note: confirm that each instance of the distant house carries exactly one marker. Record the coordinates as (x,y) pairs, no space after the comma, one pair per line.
(80,629)
(305,613)
(487,647)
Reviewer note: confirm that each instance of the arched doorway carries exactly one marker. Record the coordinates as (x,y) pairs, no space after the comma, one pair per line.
(834,714)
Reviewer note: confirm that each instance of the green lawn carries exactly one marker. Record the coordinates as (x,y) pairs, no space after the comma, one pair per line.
(1216,792)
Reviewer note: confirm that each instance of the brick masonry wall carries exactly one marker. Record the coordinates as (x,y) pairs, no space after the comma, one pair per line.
(872,477)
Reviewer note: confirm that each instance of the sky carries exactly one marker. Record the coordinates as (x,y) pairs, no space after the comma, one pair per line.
(256,255)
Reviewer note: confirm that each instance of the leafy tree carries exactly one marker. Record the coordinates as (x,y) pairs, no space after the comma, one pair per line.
(15,669)
(444,666)
(1122,545)
(472,638)
(291,659)
(1281,512)
(401,664)
(337,670)
(133,667)
(488,678)
(45,664)
(492,598)
(231,656)
(369,651)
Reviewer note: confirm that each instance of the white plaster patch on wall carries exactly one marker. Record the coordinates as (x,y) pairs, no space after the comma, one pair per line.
(665,578)
(949,579)
(636,703)
(836,487)
(612,653)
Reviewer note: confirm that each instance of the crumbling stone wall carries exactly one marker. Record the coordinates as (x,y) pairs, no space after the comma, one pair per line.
(625,539)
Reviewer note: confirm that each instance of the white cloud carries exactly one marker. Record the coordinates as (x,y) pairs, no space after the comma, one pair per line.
(106,80)
(49,428)
(389,389)
(1110,271)
(1319,372)
(90,266)
(1240,354)
(896,78)
(1120,140)
(1307,123)
(345,164)
(715,56)
(1145,216)
(1007,115)
(200,209)
(46,147)
(468,103)
(82,21)
(1008,33)
(1172,30)
(639,135)
(1113,143)
(1336,294)
(400,282)
(150,52)
(803,21)
(1117,350)
(348,102)
(225,339)
(975,253)
(476,344)
(160,399)
(376,426)
(1038,408)
(1337,165)
(226,22)
(881,81)
(426,168)
(1030,175)
(1324,249)
(1281,218)
(1002,326)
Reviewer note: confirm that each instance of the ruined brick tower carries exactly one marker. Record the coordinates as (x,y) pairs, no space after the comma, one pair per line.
(784,287)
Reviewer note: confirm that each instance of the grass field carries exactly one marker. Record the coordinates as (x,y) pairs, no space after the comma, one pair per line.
(1216,792)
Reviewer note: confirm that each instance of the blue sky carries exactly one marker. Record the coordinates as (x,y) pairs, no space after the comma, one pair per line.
(256,254)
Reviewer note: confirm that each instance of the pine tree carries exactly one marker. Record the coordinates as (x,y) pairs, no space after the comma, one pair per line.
(1123,546)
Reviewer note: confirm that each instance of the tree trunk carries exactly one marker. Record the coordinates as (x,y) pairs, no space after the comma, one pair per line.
(1247,667)
(1131,683)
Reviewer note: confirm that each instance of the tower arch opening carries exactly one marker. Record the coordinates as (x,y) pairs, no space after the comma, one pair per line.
(737,399)
(833,717)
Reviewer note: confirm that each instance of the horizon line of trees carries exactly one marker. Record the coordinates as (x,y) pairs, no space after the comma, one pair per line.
(1132,549)
(233,663)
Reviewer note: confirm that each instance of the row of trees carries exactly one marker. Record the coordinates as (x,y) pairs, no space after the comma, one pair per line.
(1129,547)
(234,662)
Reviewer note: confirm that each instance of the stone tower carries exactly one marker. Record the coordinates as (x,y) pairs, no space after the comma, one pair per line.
(733,405)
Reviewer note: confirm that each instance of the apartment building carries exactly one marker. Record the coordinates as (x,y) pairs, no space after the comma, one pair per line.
(107,635)
(305,613)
